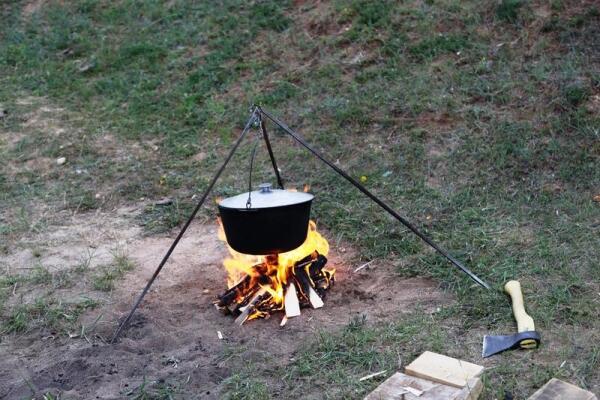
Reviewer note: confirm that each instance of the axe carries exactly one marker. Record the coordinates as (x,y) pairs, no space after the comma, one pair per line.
(526,338)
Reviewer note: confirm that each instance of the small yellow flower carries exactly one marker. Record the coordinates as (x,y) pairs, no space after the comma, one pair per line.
(363,178)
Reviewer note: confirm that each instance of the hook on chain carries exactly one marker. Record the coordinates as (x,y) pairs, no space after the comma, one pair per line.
(256,123)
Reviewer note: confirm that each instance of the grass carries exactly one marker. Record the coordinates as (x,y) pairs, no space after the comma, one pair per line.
(105,279)
(47,313)
(162,218)
(149,390)
(243,386)
(508,10)
(47,310)
(477,120)
(359,350)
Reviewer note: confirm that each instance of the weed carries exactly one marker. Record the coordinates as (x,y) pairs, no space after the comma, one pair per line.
(85,262)
(508,10)
(40,275)
(371,13)
(162,218)
(361,349)
(245,387)
(432,47)
(269,15)
(576,94)
(105,280)
(45,313)
(16,321)
(9,280)
(151,390)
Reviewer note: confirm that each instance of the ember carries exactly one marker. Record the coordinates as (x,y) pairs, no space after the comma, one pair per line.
(261,285)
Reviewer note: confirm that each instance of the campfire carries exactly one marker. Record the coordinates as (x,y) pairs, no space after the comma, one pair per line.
(258,286)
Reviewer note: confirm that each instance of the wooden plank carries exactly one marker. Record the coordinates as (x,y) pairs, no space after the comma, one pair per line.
(443,369)
(557,389)
(405,387)
(472,390)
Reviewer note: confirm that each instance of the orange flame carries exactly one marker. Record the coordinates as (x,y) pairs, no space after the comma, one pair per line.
(278,268)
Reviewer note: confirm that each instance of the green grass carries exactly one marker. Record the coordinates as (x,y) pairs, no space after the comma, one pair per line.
(244,386)
(508,10)
(105,279)
(46,313)
(474,119)
(47,310)
(150,390)
(359,350)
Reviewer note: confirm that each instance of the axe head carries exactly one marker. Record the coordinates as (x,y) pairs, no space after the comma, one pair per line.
(496,344)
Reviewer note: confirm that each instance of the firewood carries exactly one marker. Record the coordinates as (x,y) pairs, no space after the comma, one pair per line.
(365,265)
(302,297)
(370,376)
(306,260)
(315,300)
(303,279)
(230,294)
(316,267)
(239,302)
(292,307)
(248,309)
(307,282)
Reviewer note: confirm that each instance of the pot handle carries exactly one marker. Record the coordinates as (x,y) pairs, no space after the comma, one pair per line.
(249,201)
(248,210)
(265,187)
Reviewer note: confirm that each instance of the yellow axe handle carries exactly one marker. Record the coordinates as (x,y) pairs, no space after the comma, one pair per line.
(524,321)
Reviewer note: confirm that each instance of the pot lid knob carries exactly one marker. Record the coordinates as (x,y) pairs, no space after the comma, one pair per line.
(265,187)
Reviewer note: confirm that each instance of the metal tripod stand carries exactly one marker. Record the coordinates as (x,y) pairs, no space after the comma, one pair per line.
(256,117)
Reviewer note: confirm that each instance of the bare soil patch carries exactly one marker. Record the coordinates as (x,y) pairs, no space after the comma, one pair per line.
(32,7)
(173,336)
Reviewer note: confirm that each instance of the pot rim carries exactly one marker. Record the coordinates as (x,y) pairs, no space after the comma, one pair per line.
(261,199)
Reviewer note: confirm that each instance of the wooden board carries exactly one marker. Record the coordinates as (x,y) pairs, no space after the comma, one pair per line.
(471,390)
(557,389)
(443,369)
(399,385)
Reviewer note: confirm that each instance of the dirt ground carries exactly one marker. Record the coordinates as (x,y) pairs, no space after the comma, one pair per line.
(174,334)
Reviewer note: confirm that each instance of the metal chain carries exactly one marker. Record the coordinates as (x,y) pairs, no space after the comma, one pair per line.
(252,156)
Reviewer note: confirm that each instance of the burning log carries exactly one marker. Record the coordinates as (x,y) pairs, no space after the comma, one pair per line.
(269,287)
(232,294)
(250,308)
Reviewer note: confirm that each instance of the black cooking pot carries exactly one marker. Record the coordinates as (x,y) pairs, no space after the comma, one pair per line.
(269,221)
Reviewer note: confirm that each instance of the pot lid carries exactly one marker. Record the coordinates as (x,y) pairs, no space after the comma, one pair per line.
(266,197)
